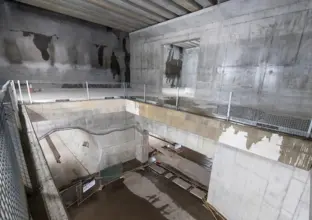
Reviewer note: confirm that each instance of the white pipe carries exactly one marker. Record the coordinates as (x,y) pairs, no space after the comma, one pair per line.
(28,90)
(144,92)
(229,106)
(88,94)
(177,99)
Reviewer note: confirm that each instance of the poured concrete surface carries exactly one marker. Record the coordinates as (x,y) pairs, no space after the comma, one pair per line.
(142,195)
(244,186)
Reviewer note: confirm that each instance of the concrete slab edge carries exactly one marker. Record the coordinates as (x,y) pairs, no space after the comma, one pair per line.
(53,202)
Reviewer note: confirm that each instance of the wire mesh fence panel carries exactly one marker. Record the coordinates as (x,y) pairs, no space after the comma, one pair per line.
(260,111)
(13,205)
(11,119)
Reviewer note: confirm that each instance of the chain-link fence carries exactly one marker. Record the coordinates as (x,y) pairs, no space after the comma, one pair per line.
(13,205)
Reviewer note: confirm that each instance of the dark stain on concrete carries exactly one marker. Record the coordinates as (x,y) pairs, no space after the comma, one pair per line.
(12,52)
(182,198)
(42,42)
(127,61)
(51,49)
(296,152)
(116,201)
(174,67)
(100,53)
(115,65)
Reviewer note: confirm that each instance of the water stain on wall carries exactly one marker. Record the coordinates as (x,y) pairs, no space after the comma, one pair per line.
(174,67)
(127,61)
(42,43)
(100,54)
(115,65)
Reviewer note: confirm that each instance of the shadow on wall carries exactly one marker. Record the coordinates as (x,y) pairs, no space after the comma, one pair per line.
(174,66)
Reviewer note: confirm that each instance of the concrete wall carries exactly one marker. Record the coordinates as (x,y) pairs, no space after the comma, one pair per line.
(259,50)
(189,68)
(245,186)
(77,161)
(102,151)
(204,135)
(40,45)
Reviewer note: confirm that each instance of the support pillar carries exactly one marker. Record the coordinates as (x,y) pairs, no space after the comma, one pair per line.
(142,148)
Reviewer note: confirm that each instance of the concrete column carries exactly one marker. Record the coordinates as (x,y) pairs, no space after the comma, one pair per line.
(142,149)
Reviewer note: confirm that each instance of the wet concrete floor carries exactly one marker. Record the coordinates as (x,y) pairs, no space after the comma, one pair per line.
(141,195)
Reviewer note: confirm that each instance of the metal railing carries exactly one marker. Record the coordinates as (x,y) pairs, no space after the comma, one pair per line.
(13,203)
(244,108)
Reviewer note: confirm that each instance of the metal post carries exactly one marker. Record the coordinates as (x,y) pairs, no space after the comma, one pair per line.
(144,92)
(20,91)
(124,90)
(177,99)
(229,106)
(88,94)
(14,92)
(309,130)
(29,95)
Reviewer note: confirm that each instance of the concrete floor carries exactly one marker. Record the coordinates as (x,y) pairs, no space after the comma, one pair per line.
(142,195)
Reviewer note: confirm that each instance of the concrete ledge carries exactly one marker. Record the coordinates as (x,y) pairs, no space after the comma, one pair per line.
(53,202)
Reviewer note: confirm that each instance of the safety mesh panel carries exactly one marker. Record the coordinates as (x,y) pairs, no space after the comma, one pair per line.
(13,204)
(15,137)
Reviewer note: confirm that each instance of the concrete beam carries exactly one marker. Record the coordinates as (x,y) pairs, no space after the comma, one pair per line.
(173,7)
(76,14)
(207,3)
(190,5)
(130,7)
(100,13)
(154,8)
(115,8)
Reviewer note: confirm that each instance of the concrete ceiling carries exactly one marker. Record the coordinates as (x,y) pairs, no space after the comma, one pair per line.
(126,15)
